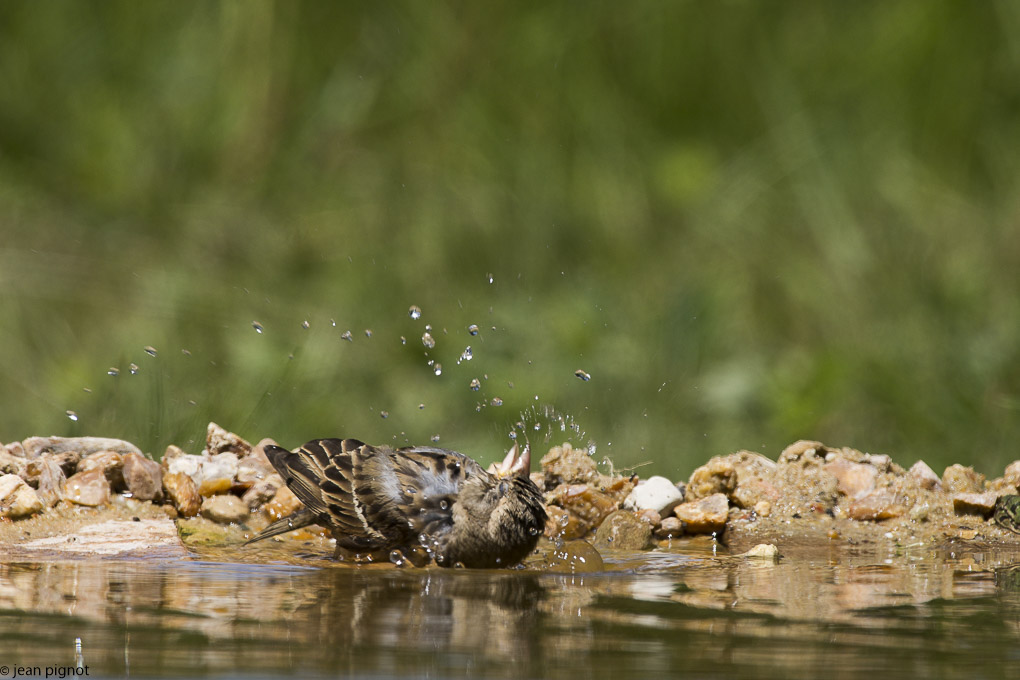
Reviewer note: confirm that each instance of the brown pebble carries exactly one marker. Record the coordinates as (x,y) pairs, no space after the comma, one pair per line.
(961,479)
(669,527)
(623,530)
(284,503)
(143,477)
(705,516)
(974,503)
(854,480)
(876,506)
(924,475)
(183,492)
(225,509)
(88,488)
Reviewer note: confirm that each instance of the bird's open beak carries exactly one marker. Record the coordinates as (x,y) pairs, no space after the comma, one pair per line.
(517,462)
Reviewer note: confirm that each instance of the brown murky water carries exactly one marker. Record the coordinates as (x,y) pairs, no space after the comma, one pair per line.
(691,611)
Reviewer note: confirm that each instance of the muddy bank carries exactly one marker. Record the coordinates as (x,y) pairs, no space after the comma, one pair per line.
(92,496)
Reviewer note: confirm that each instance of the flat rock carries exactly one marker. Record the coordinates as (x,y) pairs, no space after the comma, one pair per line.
(974,503)
(17,498)
(154,537)
(88,488)
(655,493)
(704,516)
(623,530)
(83,446)
(225,509)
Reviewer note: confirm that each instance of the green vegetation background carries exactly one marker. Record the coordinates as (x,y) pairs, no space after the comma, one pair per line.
(749,222)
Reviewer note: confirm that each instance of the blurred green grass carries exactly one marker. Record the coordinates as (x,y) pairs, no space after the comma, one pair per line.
(749,222)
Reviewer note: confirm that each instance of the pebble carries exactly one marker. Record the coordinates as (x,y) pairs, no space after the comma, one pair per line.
(588,505)
(218,440)
(763,551)
(283,504)
(216,474)
(655,493)
(17,498)
(961,479)
(183,492)
(176,460)
(1012,474)
(564,526)
(974,503)
(669,527)
(225,509)
(88,488)
(876,506)
(623,530)
(143,477)
(924,475)
(854,480)
(51,480)
(262,491)
(110,462)
(11,464)
(705,516)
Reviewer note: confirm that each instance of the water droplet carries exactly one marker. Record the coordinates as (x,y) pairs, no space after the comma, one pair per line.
(496,401)
(473,329)
(403,340)
(435,438)
(384,414)
(428,340)
(150,350)
(305,324)
(133,368)
(582,375)
(414,312)
(346,335)
(410,491)
(475,384)
(466,355)
(186,352)
(421,407)
(444,504)
(257,326)
(438,369)
(533,531)
(368,332)
(72,415)
(489,277)
(333,321)
(113,370)
(397,558)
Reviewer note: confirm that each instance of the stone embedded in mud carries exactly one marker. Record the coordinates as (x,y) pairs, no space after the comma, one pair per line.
(110,462)
(960,479)
(143,477)
(745,477)
(584,502)
(87,488)
(218,440)
(669,527)
(564,526)
(284,503)
(183,493)
(225,509)
(216,474)
(17,498)
(255,466)
(925,476)
(623,530)
(975,503)
(876,506)
(854,480)
(50,480)
(567,465)
(655,493)
(704,516)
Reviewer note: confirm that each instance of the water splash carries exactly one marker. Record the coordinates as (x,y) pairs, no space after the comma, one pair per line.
(346,335)
(466,355)
(438,368)
(133,368)
(368,332)
(428,340)
(305,324)
(583,375)
(475,384)
(473,329)
(72,415)
(259,328)
(113,370)
(414,312)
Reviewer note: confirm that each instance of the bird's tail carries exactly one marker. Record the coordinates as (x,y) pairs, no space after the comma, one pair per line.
(296,520)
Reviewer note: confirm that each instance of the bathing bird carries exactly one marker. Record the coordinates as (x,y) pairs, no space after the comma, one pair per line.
(376,500)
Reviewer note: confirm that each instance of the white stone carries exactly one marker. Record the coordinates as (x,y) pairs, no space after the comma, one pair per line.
(655,493)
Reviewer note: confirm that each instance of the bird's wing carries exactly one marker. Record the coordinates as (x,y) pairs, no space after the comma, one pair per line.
(322,474)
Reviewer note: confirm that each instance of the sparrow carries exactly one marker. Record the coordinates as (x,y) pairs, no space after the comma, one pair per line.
(377,500)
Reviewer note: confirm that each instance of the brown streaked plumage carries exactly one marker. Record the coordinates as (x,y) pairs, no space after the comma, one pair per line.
(376,499)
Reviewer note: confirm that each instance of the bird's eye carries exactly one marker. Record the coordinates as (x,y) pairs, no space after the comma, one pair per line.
(502,489)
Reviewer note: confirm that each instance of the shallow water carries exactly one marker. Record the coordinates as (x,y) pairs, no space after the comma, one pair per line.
(692,611)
